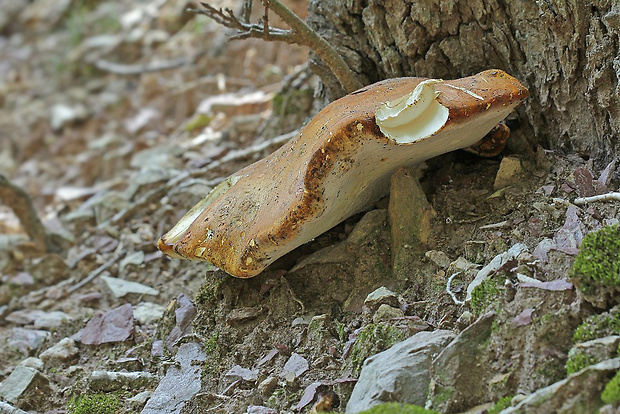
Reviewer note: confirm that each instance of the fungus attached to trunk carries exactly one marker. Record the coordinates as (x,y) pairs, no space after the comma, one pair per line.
(339,164)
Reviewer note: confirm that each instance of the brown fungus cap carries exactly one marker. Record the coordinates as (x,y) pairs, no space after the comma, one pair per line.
(339,164)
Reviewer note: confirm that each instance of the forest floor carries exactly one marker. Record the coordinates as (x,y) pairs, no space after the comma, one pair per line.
(119,116)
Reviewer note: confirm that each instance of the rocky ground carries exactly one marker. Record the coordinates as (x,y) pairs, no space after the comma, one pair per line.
(469,293)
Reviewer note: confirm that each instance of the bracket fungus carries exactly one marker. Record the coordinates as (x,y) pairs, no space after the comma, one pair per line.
(339,164)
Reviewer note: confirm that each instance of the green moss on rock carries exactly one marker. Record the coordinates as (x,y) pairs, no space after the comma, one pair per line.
(483,295)
(500,405)
(579,361)
(398,408)
(372,339)
(95,404)
(598,326)
(596,271)
(611,393)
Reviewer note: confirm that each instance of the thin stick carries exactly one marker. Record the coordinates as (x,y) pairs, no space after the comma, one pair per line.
(320,46)
(300,34)
(602,197)
(92,275)
(20,202)
(138,69)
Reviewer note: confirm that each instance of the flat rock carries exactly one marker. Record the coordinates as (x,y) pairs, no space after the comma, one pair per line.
(259,409)
(24,386)
(32,362)
(24,316)
(6,408)
(51,320)
(237,372)
(400,373)
(115,325)
(578,393)
(387,312)
(410,217)
(182,382)
(438,257)
(508,173)
(598,349)
(107,381)
(27,340)
(381,296)
(120,287)
(458,374)
(294,367)
(148,312)
(63,351)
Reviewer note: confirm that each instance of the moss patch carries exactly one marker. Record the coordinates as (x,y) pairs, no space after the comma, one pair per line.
(398,408)
(611,393)
(579,361)
(502,404)
(95,404)
(483,295)
(372,339)
(598,326)
(596,271)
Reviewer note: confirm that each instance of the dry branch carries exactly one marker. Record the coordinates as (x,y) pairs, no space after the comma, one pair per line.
(299,33)
(20,202)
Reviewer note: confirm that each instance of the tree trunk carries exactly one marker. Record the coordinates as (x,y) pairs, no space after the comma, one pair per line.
(565,51)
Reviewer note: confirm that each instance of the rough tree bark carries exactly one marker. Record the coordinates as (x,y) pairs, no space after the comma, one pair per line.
(566,51)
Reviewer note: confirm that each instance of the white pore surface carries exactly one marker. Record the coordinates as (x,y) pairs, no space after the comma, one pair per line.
(414,116)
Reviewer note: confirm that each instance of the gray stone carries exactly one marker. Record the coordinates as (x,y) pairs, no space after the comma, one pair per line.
(381,296)
(301,320)
(182,382)
(51,320)
(267,387)
(24,386)
(63,351)
(24,316)
(27,340)
(107,381)
(400,373)
(458,374)
(148,312)
(387,312)
(294,367)
(133,259)
(259,409)
(141,398)
(6,408)
(598,349)
(438,257)
(238,372)
(578,393)
(120,287)
(32,362)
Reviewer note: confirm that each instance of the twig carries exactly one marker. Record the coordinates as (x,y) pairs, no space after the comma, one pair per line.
(602,197)
(300,34)
(138,69)
(20,202)
(449,290)
(92,275)
(159,192)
